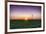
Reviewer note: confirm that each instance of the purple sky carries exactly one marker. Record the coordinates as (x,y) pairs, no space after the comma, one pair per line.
(25,11)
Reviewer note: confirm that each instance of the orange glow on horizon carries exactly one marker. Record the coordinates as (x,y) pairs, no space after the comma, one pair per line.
(21,17)
(25,17)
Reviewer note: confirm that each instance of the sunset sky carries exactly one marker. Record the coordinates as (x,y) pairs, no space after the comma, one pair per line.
(25,12)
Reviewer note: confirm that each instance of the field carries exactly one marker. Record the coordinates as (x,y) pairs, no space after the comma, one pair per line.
(16,24)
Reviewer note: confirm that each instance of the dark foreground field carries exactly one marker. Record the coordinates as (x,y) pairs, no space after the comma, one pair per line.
(15,24)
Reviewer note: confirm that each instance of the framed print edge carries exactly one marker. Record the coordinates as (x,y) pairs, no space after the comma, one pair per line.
(24,31)
(5,16)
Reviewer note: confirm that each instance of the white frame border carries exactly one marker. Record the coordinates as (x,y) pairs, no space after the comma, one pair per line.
(26,29)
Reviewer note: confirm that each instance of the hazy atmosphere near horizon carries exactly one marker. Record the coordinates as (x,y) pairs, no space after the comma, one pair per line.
(25,16)
(22,12)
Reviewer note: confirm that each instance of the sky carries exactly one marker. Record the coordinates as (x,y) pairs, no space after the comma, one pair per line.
(25,12)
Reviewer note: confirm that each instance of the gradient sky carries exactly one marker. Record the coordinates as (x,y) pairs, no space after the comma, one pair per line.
(22,12)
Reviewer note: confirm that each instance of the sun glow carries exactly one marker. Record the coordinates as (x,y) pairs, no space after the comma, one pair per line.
(26,18)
